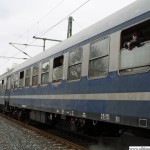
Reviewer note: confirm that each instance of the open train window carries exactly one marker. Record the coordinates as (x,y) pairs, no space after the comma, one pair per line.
(35,75)
(3,84)
(99,58)
(21,77)
(137,59)
(45,73)
(75,65)
(58,68)
(27,78)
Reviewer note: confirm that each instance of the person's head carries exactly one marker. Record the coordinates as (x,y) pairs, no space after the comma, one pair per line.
(61,60)
(136,35)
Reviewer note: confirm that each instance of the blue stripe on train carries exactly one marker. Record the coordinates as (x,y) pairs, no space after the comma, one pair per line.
(113,83)
(124,108)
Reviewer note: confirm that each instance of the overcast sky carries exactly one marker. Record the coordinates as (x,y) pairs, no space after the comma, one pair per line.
(20,20)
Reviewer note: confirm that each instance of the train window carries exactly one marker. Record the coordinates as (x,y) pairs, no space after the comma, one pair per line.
(12,81)
(58,68)
(75,65)
(99,58)
(135,60)
(3,84)
(0,83)
(15,80)
(35,75)
(0,86)
(21,77)
(27,79)
(45,73)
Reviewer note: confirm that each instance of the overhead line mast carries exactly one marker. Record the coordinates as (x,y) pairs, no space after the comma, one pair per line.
(44,39)
(69,32)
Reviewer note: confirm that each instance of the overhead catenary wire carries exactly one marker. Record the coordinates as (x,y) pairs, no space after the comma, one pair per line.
(47,30)
(42,18)
(20,50)
(58,4)
(77,23)
(5,57)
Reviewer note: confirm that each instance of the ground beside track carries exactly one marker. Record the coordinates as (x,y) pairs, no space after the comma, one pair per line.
(15,137)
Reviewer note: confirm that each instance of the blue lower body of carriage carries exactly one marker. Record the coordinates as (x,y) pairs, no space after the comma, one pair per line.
(111,84)
(123,108)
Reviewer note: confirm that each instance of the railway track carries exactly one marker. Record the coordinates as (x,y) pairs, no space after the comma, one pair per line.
(68,140)
(82,140)
(63,140)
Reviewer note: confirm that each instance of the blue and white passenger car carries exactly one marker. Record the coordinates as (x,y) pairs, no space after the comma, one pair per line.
(89,75)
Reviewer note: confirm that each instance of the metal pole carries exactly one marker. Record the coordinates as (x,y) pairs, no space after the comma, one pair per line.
(44,44)
(44,39)
(69,32)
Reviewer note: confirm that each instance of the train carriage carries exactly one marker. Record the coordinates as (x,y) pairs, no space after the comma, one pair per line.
(90,75)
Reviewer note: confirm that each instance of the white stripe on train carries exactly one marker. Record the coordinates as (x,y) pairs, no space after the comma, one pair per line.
(138,96)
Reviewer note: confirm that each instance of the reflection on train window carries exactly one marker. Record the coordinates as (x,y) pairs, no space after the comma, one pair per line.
(58,68)
(135,60)
(12,81)
(27,79)
(21,77)
(35,75)
(0,85)
(75,65)
(45,73)
(15,80)
(99,58)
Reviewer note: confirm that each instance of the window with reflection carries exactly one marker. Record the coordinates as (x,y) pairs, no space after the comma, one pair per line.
(27,79)
(35,75)
(45,73)
(12,81)
(75,65)
(15,80)
(0,85)
(99,58)
(58,68)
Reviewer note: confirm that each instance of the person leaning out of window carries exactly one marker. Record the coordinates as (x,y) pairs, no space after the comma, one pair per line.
(137,39)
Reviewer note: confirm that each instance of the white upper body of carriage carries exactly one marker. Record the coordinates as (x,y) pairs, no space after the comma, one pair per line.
(134,10)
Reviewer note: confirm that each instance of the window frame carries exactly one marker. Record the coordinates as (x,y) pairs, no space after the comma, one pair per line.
(75,64)
(137,69)
(99,57)
(59,66)
(35,75)
(3,84)
(47,72)
(16,78)
(21,78)
(27,77)
(0,85)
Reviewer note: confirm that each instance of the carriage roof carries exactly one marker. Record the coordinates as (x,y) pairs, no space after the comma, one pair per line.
(131,11)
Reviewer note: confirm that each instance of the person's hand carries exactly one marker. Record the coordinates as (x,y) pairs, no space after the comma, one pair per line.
(129,46)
